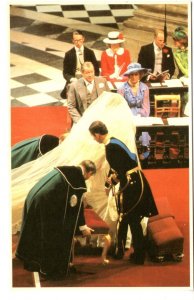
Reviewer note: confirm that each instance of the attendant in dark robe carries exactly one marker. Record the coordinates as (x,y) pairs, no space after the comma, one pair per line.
(134,200)
(32,148)
(52,212)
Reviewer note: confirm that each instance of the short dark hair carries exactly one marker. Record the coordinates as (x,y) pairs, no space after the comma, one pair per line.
(98,127)
(89,166)
(78,32)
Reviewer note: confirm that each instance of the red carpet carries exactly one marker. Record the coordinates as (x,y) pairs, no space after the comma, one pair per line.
(170,183)
(173,184)
(27,122)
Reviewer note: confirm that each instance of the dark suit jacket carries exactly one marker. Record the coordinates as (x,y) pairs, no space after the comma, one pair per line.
(146,58)
(70,62)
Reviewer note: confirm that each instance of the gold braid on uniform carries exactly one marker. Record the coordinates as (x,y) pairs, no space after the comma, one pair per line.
(128,175)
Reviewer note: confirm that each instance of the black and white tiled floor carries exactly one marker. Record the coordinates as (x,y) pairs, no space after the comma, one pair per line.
(39,37)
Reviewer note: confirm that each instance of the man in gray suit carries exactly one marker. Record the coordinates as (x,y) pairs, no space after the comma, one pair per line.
(84,91)
(74,58)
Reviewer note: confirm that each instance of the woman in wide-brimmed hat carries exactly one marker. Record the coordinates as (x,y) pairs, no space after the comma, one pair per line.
(115,58)
(136,93)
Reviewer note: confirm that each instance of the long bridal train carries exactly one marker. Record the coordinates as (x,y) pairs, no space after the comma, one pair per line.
(110,108)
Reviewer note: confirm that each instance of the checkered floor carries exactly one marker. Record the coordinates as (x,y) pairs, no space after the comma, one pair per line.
(40,35)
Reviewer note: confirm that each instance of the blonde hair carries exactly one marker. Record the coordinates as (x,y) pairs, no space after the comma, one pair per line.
(86,65)
(157,32)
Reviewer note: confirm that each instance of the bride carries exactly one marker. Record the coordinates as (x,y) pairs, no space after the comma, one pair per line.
(79,145)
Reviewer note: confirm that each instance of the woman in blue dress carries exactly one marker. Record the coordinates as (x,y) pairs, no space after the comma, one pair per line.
(136,93)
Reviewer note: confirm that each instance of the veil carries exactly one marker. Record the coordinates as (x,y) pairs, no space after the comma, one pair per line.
(110,108)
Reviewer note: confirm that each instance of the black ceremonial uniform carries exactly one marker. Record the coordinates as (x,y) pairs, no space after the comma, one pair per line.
(52,211)
(31,149)
(134,200)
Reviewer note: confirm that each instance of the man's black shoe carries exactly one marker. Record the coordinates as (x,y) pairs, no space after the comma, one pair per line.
(72,269)
(134,259)
(52,276)
(118,255)
(31,266)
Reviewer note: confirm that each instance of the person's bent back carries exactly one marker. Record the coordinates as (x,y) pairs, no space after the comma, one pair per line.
(30,149)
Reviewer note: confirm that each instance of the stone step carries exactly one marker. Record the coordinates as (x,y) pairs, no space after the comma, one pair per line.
(145,23)
(171,9)
(147,19)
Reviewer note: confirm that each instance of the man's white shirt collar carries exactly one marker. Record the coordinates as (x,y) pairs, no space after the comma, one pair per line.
(79,49)
(106,140)
(156,48)
(89,85)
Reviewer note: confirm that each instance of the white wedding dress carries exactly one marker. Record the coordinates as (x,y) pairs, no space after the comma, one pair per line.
(110,108)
